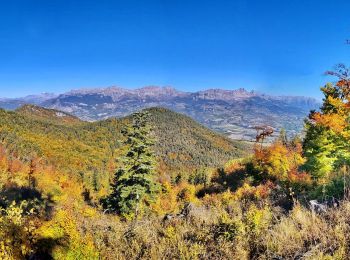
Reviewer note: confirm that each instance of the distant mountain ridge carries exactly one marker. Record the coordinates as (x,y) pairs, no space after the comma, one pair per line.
(233,112)
(14,103)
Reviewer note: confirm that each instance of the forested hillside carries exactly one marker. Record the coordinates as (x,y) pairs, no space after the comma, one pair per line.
(180,141)
(181,144)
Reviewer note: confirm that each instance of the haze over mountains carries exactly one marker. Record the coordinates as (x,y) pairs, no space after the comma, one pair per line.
(233,112)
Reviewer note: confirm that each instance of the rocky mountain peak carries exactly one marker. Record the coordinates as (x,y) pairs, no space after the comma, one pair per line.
(223,94)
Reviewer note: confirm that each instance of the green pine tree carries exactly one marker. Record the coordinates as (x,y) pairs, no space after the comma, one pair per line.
(134,183)
(326,150)
(319,150)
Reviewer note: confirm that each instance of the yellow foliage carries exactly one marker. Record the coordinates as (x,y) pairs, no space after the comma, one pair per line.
(187,192)
(258,220)
(17,232)
(278,160)
(64,227)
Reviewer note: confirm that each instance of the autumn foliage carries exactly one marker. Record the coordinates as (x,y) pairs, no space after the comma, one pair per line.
(326,145)
(54,176)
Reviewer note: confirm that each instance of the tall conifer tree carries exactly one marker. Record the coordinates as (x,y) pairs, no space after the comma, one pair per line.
(326,145)
(134,182)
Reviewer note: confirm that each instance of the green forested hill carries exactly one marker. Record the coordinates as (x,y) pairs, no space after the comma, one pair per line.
(181,141)
(81,150)
(77,146)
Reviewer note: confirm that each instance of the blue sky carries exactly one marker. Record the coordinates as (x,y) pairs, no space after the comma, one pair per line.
(277,47)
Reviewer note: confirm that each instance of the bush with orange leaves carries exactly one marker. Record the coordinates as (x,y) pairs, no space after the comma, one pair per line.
(252,193)
(279,162)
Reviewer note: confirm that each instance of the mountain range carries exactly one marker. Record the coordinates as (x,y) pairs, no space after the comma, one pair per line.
(232,112)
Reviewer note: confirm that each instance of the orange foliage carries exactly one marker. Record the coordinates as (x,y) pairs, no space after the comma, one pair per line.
(233,166)
(299,177)
(279,161)
(335,122)
(15,166)
(261,191)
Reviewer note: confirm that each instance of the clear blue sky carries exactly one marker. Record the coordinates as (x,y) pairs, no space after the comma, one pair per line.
(278,47)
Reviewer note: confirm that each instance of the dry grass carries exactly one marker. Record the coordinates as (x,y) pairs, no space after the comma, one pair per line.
(235,232)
